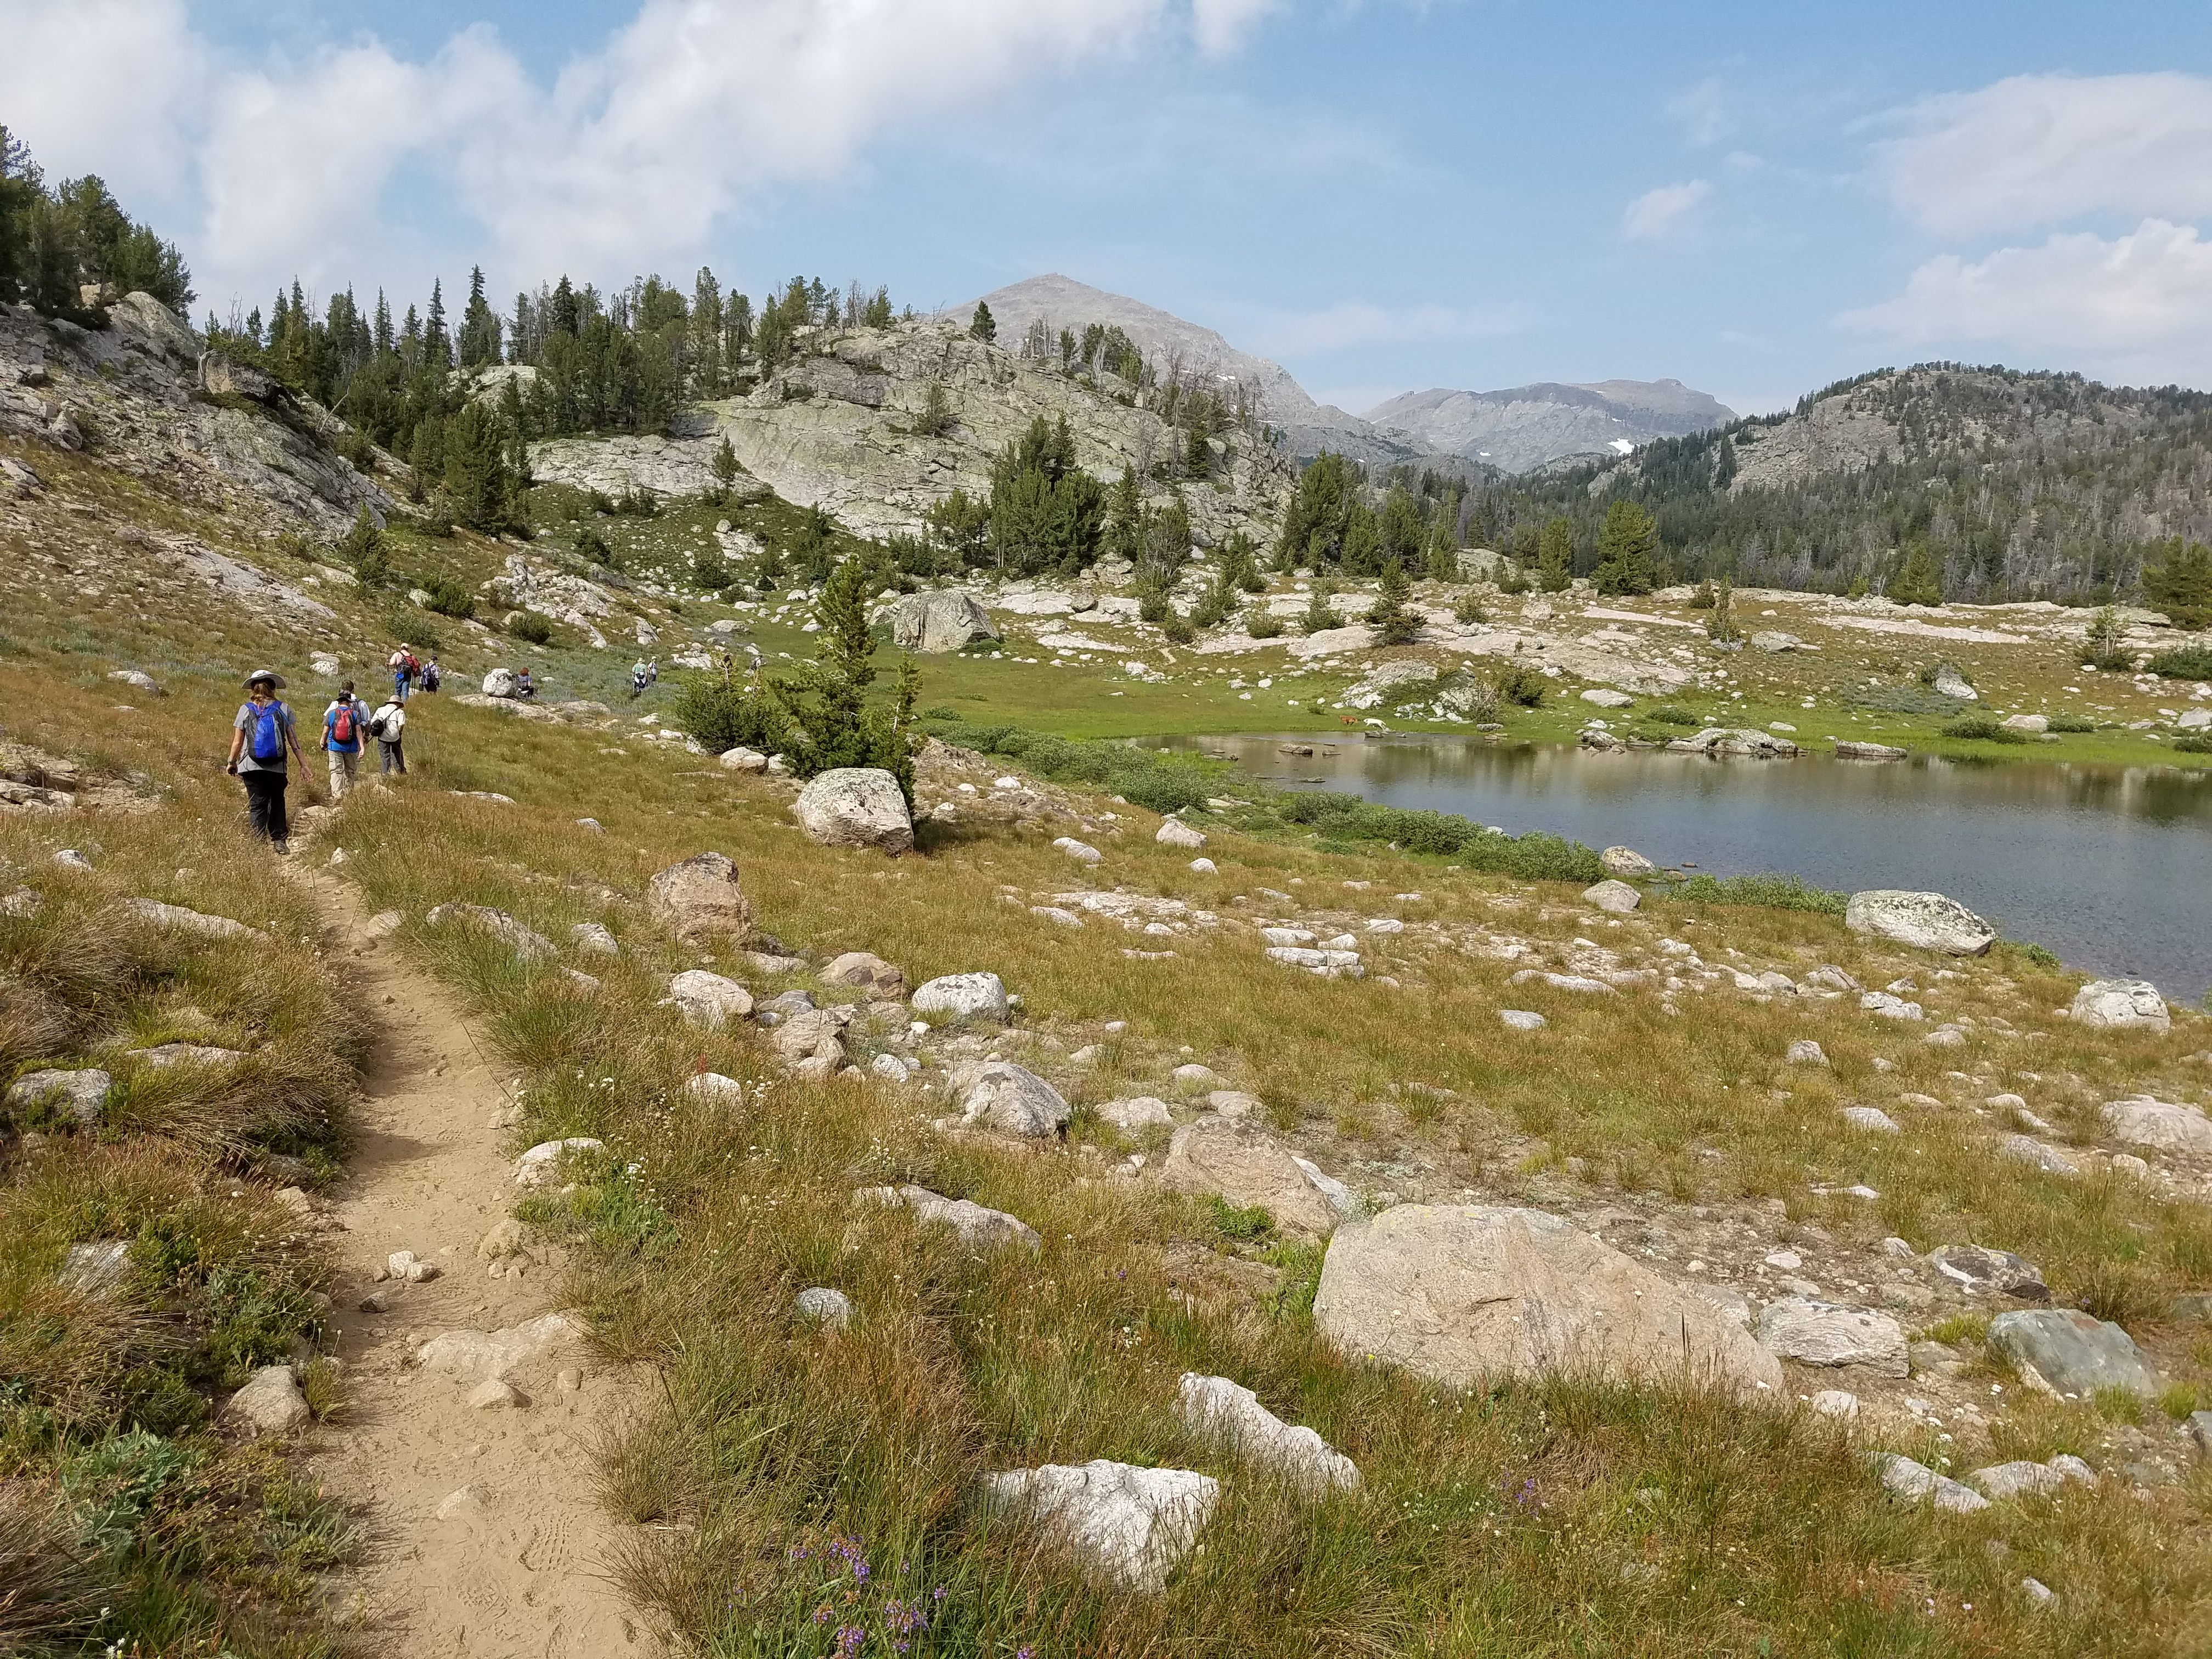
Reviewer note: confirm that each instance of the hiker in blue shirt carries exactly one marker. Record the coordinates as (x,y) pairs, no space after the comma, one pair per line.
(345,723)
(259,738)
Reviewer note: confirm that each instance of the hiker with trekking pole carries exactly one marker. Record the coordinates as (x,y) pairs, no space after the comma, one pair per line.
(260,736)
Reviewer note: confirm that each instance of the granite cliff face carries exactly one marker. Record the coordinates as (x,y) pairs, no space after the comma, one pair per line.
(845,426)
(144,396)
(1522,427)
(1063,302)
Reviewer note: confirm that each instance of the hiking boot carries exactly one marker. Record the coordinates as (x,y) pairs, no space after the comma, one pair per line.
(283,847)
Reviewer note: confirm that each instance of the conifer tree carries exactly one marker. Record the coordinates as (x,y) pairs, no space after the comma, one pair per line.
(1627,549)
(1555,556)
(1321,616)
(983,325)
(437,349)
(480,325)
(1720,620)
(827,698)
(2180,583)
(475,472)
(1920,581)
(1395,622)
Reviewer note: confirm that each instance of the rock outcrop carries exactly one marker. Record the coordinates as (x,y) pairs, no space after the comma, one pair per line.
(1461,1293)
(1238,1160)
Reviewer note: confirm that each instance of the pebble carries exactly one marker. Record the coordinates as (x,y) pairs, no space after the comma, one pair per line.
(1521,1019)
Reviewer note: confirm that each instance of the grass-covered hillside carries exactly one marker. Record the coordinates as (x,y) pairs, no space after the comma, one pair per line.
(1781,1193)
(799,1488)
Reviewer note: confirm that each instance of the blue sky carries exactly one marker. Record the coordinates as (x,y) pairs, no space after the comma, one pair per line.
(1384,196)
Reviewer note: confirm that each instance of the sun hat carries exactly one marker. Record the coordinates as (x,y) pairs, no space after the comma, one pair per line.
(269,674)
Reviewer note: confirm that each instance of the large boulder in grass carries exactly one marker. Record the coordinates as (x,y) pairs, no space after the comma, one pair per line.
(2122,1005)
(942,619)
(80,1095)
(708,1001)
(1128,1525)
(701,898)
(1228,1411)
(869,972)
(1466,1293)
(855,806)
(1235,1160)
(997,1094)
(963,996)
(2066,1351)
(978,1227)
(1927,922)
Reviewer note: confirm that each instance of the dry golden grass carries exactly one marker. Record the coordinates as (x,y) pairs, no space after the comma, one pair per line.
(1567,1517)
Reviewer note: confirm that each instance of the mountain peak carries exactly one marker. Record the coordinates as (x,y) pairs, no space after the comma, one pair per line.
(1518,429)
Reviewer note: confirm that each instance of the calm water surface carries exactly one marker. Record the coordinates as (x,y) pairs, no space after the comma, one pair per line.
(2110,867)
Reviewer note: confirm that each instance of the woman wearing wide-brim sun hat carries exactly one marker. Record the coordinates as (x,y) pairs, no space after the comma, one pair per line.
(259,738)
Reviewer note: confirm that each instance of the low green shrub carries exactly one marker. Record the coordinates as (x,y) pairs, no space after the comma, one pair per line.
(449,598)
(1668,714)
(2196,742)
(2188,662)
(1774,893)
(1262,623)
(2071,723)
(530,627)
(724,717)
(1983,728)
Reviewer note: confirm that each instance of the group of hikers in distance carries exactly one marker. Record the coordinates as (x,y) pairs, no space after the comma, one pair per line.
(263,738)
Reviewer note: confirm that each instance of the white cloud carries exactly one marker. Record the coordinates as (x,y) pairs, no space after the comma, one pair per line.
(1222,26)
(1703,112)
(79,76)
(1352,323)
(688,113)
(2141,301)
(2039,149)
(1658,214)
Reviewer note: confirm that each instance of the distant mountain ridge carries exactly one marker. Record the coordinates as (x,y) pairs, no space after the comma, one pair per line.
(1520,429)
(1516,430)
(2024,484)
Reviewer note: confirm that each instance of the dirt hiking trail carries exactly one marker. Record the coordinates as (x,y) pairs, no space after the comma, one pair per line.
(485,1535)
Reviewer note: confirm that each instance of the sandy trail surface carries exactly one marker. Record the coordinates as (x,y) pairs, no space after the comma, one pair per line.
(486,1537)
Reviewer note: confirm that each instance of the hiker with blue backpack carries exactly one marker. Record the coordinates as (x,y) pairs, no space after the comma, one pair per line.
(259,738)
(344,736)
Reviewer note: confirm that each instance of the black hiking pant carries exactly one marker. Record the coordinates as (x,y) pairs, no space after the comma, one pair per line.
(264,804)
(390,755)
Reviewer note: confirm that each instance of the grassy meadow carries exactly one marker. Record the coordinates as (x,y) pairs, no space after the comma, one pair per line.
(801,1491)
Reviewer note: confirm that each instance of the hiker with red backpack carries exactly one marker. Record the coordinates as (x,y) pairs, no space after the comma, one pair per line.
(345,726)
(259,738)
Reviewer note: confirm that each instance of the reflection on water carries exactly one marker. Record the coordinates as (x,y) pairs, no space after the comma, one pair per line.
(2109,866)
